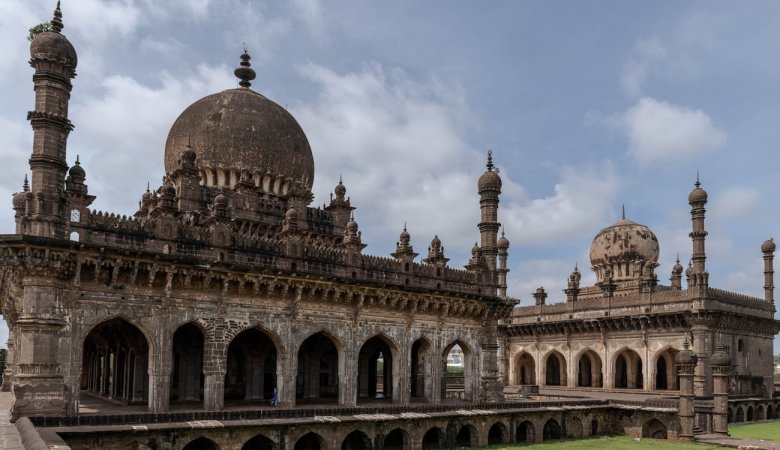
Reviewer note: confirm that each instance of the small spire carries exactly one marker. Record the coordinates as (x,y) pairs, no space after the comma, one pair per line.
(147,186)
(404,225)
(244,71)
(678,257)
(77,160)
(340,180)
(697,184)
(56,22)
(576,268)
(490,161)
(624,211)
(26,184)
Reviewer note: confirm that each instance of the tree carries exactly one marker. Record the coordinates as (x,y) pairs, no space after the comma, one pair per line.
(40,28)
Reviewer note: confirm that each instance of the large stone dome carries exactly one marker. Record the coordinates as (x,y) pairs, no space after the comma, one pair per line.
(626,248)
(239,131)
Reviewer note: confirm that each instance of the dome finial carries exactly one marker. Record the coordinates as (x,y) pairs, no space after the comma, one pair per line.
(56,22)
(678,257)
(26,184)
(490,161)
(244,71)
(77,160)
(697,184)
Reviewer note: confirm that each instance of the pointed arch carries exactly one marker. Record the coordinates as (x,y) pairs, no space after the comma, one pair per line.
(454,385)
(115,357)
(310,441)
(654,429)
(467,437)
(375,375)
(320,367)
(760,415)
(554,369)
(524,367)
(187,378)
(497,434)
(590,372)
(421,361)
(627,370)
(396,439)
(574,427)
(356,440)
(525,432)
(665,370)
(201,443)
(551,431)
(749,415)
(259,442)
(251,374)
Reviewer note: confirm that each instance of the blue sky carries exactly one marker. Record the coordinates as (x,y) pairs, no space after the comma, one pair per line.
(586,105)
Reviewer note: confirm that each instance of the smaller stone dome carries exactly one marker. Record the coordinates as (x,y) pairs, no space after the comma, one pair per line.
(626,248)
(291,214)
(720,357)
(352,225)
(76,171)
(686,356)
(697,195)
(503,242)
(475,250)
(405,235)
(340,189)
(678,268)
(436,242)
(53,46)
(489,181)
(768,246)
(221,200)
(189,154)
(19,200)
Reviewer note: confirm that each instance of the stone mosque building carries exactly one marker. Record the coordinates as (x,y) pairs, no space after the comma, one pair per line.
(226,291)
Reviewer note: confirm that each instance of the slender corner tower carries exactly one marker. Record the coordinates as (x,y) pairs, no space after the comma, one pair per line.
(489,186)
(697,199)
(768,249)
(54,60)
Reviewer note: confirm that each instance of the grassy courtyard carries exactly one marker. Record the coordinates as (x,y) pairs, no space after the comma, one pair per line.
(769,431)
(609,443)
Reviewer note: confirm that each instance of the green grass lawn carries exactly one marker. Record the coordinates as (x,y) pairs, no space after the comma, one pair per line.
(769,431)
(609,443)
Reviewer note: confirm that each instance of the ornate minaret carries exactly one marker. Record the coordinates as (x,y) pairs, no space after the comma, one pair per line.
(768,249)
(54,60)
(697,199)
(676,278)
(489,185)
(503,252)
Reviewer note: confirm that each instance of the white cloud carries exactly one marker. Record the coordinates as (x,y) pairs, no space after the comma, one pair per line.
(660,132)
(735,203)
(579,206)
(646,52)
(312,14)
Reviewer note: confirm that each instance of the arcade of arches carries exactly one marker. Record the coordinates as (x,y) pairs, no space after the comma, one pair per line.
(587,370)
(116,359)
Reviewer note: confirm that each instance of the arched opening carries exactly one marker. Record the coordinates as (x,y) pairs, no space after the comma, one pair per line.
(594,427)
(357,440)
(310,441)
(467,437)
(497,434)
(589,372)
(769,412)
(730,417)
(666,370)
(251,368)
(421,370)
(555,369)
(760,413)
(318,370)
(525,369)
(525,433)
(259,442)
(750,416)
(115,359)
(74,236)
(187,375)
(739,415)
(201,443)
(552,430)
(574,428)
(433,438)
(456,373)
(654,429)
(777,412)
(395,440)
(375,370)
(628,370)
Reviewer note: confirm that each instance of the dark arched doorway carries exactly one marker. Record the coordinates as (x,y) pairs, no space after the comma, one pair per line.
(396,440)
(555,369)
(375,370)
(497,434)
(466,437)
(456,372)
(654,429)
(251,368)
(525,433)
(309,441)
(433,438)
(317,379)
(357,440)
(525,369)
(666,370)
(628,370)
(552,430)
(115,359)
(259,442)
(589,372)
(200,443)
(187,374)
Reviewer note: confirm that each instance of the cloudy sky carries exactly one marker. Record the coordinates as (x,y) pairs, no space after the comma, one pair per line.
(586,105)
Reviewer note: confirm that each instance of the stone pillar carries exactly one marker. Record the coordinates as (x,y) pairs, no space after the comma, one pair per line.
(768,249)
(721,368)
(214,389)
(347,377)
(686,365)
(159,391)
